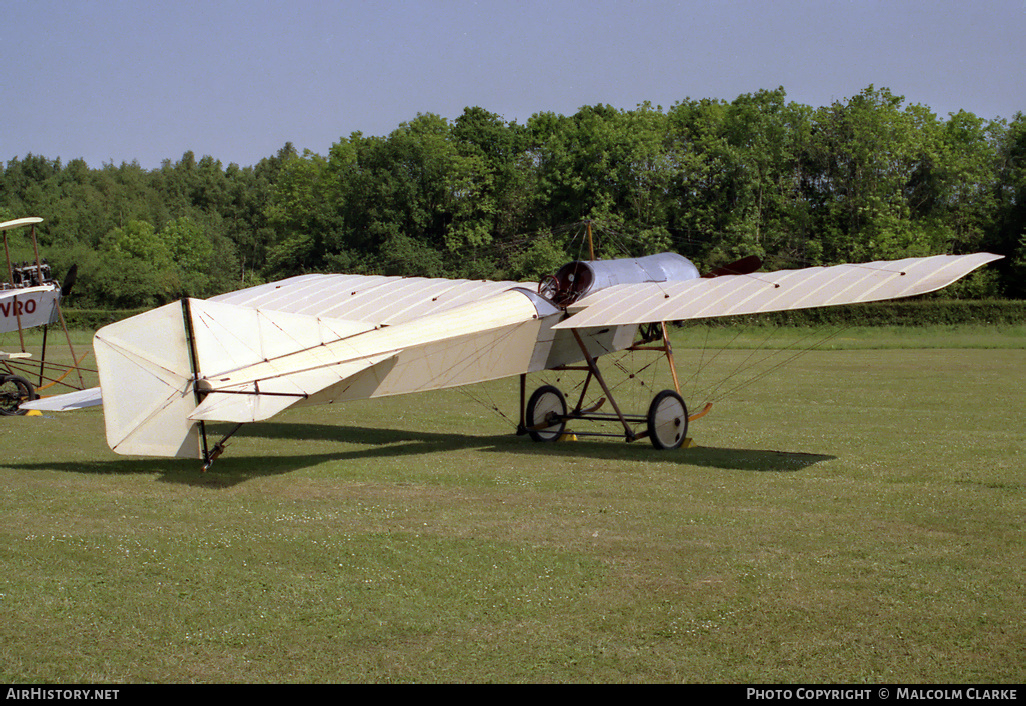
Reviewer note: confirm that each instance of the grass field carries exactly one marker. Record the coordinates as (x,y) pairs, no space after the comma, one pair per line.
(853,516)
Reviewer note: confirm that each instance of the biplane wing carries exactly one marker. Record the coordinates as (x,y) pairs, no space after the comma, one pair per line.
(80,399)
(318,339)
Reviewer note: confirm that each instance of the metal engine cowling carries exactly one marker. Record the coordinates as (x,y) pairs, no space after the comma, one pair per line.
(576,279)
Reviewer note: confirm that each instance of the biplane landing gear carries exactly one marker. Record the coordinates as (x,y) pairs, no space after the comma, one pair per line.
(667,420)
(14,390)
(546,414)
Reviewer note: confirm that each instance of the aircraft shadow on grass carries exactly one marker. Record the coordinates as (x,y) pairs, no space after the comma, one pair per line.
(381,443)
(394,442)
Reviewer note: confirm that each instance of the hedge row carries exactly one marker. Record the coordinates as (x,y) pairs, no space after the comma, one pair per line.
(93,319)
(909,312)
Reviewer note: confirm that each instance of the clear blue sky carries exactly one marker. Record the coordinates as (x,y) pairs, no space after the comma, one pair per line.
(113,81)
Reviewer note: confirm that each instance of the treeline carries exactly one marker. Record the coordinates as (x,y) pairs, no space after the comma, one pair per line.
(865,178)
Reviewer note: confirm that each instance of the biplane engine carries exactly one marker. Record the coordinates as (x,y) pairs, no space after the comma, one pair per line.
(576,279)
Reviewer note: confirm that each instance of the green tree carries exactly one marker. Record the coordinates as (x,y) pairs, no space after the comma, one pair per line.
(504,184)
(870,154)
(300,214)
(192,256)
(139,240)
(1009,237)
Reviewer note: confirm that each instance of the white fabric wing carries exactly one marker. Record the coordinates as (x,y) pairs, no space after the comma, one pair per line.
(369,298)
(770,291)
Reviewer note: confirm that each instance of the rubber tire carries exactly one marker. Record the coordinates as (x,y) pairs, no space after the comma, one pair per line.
(667,420)
(545,401)
(25,392)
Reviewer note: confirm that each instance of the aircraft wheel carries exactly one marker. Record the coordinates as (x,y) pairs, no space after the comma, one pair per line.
(667,420)
(13,391)
(546,406)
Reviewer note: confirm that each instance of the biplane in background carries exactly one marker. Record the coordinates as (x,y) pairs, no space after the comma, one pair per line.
(30,298)
(248,355)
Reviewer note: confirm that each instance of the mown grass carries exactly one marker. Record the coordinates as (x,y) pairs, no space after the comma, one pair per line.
(853,516)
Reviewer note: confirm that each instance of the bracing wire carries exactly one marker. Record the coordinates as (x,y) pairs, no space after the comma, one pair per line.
(784,362)
(724,388)
(487,401)
(744,362)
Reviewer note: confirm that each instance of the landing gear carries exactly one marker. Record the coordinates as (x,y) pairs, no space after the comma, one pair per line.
(546,414)
(14,390)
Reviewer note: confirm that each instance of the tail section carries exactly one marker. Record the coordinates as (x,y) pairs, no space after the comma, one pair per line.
(167,371)
(146,378)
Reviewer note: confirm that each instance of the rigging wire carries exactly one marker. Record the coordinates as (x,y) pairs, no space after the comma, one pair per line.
(718,392)
(488,403)
(742,364)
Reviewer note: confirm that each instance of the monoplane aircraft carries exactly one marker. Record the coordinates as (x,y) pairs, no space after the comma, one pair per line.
(30,298)
(248,355)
